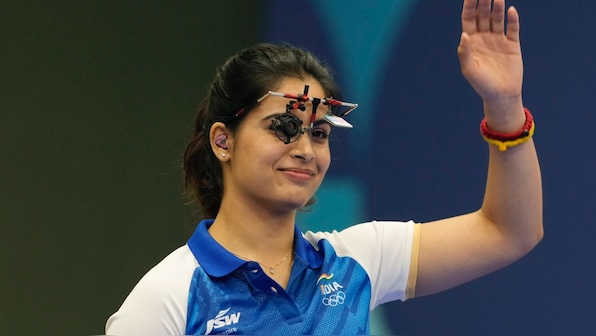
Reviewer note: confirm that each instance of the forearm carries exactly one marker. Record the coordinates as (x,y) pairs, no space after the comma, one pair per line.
(513,197)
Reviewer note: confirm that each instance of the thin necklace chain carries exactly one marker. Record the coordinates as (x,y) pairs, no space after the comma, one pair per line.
(271,268)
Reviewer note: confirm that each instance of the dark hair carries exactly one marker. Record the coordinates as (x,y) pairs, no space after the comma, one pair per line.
(238,83)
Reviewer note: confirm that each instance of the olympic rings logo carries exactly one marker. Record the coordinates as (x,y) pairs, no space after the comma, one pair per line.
(335,299)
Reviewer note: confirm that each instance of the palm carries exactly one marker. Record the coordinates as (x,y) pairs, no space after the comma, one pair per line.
(490,59)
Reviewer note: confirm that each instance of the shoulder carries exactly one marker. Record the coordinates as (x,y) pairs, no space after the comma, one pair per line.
(158,303)
(387,250)
(367,232)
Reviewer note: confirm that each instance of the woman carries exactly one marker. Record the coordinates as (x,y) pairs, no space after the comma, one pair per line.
(259,152)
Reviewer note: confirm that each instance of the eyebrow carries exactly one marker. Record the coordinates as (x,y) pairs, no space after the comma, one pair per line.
(272,115)
(321,121)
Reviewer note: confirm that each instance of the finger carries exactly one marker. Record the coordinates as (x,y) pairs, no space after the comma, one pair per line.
(483,16)
(497,18)
(468,16)
(513,24)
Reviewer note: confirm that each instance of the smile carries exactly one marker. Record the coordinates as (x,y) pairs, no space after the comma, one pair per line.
(299,173)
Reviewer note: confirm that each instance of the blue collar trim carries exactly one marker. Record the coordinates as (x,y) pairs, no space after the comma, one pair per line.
(219,262)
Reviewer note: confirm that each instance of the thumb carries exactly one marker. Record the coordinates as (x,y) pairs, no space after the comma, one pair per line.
(464,51)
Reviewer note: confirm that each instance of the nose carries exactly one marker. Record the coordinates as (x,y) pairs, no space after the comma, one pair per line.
(303,149)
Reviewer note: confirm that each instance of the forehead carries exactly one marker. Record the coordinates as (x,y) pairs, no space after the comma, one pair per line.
(296,85)
(291,86)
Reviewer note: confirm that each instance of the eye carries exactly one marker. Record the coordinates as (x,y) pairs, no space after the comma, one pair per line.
(319,133)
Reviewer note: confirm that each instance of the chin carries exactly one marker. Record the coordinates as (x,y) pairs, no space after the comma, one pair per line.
(298,203)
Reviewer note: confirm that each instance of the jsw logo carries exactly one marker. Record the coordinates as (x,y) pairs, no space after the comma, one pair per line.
(330,288)
(222,320)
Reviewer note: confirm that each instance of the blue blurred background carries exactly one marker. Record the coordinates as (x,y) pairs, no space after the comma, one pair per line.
(96,103)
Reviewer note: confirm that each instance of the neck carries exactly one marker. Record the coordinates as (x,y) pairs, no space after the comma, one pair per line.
(261,236)
(272,269)
(252,232)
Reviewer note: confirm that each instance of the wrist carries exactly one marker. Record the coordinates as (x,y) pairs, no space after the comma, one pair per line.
(505,140)
(505,115)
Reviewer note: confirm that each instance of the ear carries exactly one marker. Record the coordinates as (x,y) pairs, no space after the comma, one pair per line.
(220,138)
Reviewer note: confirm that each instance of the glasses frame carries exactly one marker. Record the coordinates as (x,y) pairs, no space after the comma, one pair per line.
(300,100)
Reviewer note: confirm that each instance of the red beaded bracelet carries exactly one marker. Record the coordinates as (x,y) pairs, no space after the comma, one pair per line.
(506,140)
(523,132)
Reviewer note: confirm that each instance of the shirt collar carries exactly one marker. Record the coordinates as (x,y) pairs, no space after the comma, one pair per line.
(219,262)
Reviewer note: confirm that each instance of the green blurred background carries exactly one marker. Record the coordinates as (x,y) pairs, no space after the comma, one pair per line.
(96,103)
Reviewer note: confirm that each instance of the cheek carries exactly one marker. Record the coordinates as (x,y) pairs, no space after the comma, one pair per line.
(264,153)
(324,159)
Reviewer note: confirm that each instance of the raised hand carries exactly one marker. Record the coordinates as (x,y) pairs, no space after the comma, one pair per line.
(490,53)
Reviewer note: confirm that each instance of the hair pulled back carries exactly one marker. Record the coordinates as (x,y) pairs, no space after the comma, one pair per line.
(238,83)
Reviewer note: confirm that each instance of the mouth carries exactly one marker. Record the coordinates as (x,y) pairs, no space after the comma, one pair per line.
(299,173)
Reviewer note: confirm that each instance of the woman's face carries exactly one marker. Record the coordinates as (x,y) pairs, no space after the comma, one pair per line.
(265,171)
